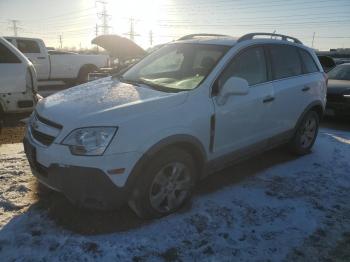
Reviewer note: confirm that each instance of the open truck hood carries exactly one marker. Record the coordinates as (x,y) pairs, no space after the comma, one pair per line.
(119,47)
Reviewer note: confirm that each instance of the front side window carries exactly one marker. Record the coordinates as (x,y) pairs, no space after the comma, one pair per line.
(285,61)
(341,72)
(308,62)
(28,46)
(176,67)
(249,65)
(7,57)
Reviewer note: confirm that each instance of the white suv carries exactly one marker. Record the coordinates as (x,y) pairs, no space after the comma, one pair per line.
(193,106)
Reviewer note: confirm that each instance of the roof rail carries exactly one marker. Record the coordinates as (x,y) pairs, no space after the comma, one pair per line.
(191,36)
(284,37)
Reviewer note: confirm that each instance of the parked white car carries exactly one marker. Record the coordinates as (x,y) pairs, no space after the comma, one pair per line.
(56,65)
(190,108)
(18,85)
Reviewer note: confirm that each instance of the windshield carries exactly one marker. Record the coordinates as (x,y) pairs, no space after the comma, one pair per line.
(341,72)
(176,67)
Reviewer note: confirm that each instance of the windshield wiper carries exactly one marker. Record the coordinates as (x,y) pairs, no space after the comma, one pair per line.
(159,87)
(127,81)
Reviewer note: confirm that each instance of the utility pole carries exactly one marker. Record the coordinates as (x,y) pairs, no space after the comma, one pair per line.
(131,32)
(313,39)
(151,37)
(96,34)
(96,30)
(60,38)
(104,17)
(15,27)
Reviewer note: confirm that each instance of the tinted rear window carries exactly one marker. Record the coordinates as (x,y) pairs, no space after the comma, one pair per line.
(28,46)
(309,65)
(285,61)
(7,57)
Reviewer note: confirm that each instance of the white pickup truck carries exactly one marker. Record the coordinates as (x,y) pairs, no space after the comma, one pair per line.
(56,65)
(18,85)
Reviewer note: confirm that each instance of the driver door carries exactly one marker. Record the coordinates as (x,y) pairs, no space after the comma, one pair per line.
(242,120)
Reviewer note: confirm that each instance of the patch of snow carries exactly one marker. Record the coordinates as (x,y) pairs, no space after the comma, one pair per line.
(279,213)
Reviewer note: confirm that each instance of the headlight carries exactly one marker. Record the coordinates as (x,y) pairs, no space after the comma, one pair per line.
(89,141)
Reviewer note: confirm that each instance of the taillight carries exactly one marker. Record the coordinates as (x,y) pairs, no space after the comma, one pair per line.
(325,78)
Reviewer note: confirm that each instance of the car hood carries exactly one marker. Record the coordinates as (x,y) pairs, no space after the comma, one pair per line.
(338,86)
(105,101)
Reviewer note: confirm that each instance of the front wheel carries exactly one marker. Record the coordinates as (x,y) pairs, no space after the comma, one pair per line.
(165,185)
(306,134)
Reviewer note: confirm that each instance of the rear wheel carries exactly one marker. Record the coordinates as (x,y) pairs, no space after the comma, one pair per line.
(166,184)
(84,73)
(306,134)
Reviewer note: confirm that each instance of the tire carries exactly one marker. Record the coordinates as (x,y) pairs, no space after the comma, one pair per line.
(305,134)
(165,186)
(84,73)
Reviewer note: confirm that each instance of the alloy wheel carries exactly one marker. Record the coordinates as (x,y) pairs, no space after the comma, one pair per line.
(308,132)
(170,187)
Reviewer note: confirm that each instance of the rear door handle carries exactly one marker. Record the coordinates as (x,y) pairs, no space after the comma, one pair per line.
(41,57)
(268,99)
(306,88)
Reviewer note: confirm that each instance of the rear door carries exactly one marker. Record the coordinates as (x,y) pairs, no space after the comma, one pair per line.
(288,86)
(240,122)
(12,72)
(37,54)
(313,80)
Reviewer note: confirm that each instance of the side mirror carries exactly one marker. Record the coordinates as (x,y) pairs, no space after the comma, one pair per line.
(232,86)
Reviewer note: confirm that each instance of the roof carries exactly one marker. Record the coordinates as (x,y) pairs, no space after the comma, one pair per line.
(212,40)
(23,38)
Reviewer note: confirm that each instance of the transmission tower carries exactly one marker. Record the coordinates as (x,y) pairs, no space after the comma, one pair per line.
(15,27)
(104,17)
(151,37)
(131,32)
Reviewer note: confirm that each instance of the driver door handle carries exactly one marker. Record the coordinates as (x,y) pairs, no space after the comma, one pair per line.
(268,99)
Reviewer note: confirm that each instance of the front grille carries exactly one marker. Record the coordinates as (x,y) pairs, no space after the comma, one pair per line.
(43,130)
(42,138)
(48,122)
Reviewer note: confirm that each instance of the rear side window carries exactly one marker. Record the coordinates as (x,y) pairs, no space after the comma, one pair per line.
(309,65)
(249,65)
(285,61)
(28,46)
(7,57)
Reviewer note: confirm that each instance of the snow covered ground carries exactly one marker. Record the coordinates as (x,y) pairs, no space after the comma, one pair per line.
(274,207)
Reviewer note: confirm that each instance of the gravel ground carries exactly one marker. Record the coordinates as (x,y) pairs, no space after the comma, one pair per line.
(274,207)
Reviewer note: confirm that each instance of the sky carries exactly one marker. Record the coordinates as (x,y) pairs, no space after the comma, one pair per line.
(323,24)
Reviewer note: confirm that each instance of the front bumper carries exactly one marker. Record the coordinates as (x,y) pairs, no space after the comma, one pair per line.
(83,180)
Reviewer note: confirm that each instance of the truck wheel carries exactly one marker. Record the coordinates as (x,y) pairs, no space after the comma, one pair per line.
(84,73)
(166,184)
(305,134)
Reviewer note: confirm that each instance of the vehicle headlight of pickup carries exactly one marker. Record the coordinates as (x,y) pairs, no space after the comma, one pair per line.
(90,141)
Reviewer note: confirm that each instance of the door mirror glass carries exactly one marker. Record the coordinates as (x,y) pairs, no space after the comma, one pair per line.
(233,86)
